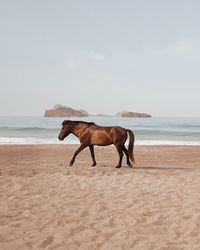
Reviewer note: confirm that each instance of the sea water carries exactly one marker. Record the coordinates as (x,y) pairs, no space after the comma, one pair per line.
(148,131)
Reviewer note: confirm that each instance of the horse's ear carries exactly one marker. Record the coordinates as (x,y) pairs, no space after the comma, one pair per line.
(64,122)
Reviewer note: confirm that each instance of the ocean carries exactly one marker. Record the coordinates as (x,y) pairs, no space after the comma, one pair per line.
(148,131)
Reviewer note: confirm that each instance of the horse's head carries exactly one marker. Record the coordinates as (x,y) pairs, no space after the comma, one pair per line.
(65,130)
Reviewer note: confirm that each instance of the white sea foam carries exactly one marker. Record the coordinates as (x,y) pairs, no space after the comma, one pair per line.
(159,142)
(9,140)
(24,141)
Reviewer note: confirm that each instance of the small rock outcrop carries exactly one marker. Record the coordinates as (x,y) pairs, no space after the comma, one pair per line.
(135,114)
(63,111)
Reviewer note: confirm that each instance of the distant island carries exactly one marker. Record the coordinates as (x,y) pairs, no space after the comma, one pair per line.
(64,111)
(135,114)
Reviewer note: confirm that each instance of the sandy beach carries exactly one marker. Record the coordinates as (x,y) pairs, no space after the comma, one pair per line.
(44,204)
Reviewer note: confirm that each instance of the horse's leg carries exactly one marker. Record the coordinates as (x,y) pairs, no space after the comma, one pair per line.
(120,152)
(92,154)
(127,157)
(76,153)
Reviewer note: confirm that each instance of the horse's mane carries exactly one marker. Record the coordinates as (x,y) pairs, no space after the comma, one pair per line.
(69,122)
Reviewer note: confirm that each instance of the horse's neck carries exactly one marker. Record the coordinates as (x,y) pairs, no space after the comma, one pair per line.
(78,129)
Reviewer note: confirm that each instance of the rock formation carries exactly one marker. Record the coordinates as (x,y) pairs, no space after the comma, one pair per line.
(63,111)
(135,114)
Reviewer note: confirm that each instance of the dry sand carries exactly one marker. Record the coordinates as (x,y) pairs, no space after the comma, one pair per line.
(44,204)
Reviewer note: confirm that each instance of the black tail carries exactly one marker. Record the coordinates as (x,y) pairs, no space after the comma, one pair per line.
(131,145)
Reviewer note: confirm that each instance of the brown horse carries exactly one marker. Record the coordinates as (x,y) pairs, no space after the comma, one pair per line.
(91,134)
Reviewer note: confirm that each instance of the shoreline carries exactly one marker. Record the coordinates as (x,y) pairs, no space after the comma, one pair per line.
(45,204)
(34,141)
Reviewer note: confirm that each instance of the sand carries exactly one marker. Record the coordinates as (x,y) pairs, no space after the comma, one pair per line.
(44,204)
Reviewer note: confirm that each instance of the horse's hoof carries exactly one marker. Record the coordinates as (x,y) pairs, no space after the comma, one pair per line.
(118,167)
(71,164)
(130,166)
(94,164)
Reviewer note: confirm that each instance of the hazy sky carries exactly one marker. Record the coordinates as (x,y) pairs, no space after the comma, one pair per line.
(101,56)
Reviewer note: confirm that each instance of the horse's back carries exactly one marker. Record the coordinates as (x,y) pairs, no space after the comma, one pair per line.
(103,136)
(99,135)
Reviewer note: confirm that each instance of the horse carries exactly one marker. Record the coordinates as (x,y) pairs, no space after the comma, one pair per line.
(91,134)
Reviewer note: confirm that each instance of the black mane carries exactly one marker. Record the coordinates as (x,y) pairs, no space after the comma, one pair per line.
(70,122)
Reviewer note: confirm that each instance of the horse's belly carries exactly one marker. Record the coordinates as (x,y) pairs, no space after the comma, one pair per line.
(101,140)
(102,143)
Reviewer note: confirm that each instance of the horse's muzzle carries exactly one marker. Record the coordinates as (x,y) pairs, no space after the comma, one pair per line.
(60,138)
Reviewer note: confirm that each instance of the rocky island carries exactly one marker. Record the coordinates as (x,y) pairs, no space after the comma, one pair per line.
(135,114)
(64,111)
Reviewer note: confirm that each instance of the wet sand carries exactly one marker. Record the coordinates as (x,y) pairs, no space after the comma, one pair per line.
(44,204)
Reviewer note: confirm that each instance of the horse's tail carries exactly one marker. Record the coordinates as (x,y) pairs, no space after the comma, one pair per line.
(131,145)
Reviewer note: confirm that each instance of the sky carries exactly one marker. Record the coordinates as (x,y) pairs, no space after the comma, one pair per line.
(102,56)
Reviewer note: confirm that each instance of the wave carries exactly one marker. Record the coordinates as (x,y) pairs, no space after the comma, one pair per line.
(136,131)
(28,128)
(31,140)
(160,142)
(166,132)
(25,141)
